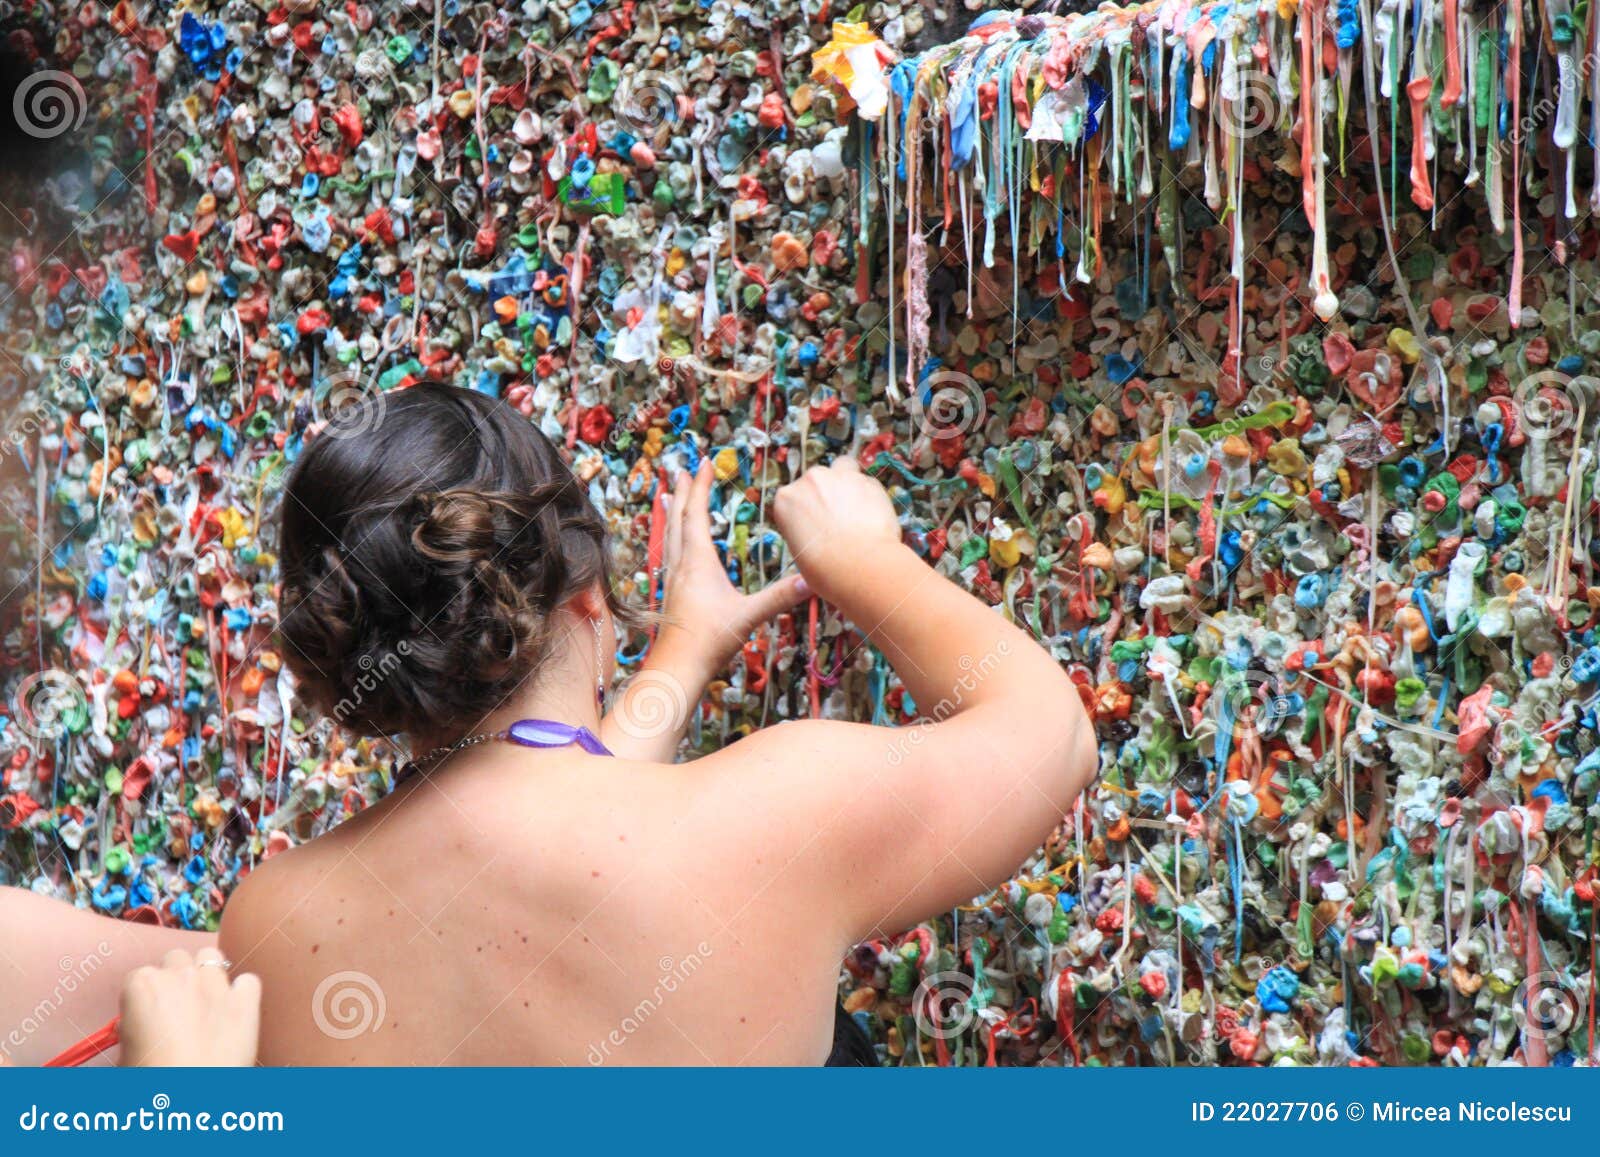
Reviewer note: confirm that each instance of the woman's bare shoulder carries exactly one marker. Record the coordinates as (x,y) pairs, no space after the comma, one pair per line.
(280,894)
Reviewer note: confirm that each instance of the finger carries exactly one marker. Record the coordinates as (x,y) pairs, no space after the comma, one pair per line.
(775,599)
(212,967)
(176,959)
(697,519)
(136,984)
(847,463)
(245,996)
(247,990)
(134,1004)
(786,506)
(677,503)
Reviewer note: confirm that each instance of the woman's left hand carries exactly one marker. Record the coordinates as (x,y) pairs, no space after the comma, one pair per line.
(708,620)
(705,613)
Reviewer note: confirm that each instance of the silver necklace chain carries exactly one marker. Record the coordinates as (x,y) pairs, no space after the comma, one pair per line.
(439,753)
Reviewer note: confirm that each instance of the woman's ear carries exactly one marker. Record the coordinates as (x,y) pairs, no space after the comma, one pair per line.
(589,603)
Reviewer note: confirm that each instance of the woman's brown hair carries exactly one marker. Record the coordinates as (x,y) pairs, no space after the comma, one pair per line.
(425,538)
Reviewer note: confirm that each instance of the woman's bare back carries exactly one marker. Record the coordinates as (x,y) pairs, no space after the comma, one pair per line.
(540,908)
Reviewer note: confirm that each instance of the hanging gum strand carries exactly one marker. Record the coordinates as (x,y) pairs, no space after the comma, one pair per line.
(1594,103)
(1452,54)
(1514,82)
(1313,167)
(1308,194)
(1417,90)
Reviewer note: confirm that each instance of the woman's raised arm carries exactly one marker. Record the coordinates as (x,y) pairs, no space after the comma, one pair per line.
(908,821)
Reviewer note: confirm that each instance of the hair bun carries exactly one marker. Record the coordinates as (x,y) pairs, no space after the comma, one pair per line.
(454,526)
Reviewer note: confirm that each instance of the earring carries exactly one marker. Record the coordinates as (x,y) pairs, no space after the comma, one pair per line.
(599,668)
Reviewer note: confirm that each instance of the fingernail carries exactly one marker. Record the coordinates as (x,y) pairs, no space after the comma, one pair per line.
(802,588)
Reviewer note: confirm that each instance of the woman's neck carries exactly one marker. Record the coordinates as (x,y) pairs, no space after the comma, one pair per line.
(564,692)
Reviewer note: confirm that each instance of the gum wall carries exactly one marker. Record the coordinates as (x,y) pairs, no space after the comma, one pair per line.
(1241,350)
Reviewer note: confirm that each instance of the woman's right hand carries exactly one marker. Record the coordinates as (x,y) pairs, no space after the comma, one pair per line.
(834,518)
